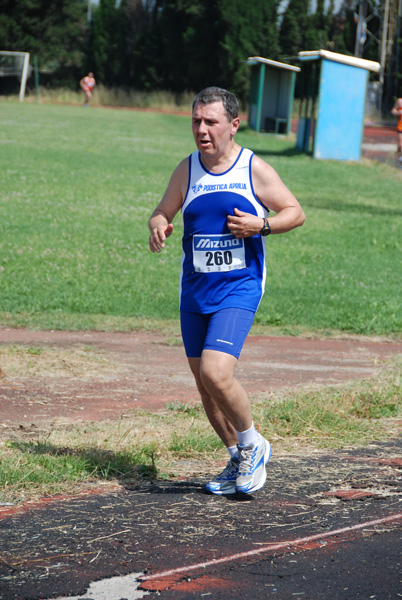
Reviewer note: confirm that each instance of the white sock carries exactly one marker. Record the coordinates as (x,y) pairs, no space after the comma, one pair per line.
(250,436)
(233,451)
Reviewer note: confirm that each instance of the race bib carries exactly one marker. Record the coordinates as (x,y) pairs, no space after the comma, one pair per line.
(213,253)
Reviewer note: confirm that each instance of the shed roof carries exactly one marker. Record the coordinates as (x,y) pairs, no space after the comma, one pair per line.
(253,60)
(362,63)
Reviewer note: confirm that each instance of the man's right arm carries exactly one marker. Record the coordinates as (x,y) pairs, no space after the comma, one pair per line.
(160,222)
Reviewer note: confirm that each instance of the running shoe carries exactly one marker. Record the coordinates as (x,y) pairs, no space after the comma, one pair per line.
(252,461)
(225,483)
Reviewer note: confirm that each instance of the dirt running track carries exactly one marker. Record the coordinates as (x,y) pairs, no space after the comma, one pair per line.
(326,525)
(148,370)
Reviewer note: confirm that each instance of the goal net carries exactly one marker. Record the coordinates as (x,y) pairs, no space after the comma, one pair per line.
(15,64)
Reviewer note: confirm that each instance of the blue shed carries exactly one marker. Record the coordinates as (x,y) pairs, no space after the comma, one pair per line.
(333,93)
(272,88)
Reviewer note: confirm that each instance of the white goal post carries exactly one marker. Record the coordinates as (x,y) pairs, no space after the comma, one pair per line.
(15,64)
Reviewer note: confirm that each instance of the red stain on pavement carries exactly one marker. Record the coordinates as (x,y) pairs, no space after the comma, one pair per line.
(350,494)
(312,546)
(10,511)
(157,585)
(391,462)
(187,584)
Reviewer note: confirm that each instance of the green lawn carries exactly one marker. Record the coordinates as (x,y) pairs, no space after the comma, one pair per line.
(78,186)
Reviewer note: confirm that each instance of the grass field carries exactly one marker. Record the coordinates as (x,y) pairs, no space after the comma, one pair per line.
(78,186)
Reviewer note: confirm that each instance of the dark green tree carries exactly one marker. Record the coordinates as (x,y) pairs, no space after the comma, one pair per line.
(108,43)
(177,48)
(190,44)
(247,29)
(293,27)
(342,32)
(318,26)
(55,32)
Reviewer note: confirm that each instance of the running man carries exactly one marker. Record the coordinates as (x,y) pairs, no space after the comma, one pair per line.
(87,84)
(225,194)
(397,111)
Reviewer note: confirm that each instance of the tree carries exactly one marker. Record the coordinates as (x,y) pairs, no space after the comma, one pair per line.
(178,46)
(108,42)
(293,27)
(247,29)
(191,44)
(318,25)
(54,31)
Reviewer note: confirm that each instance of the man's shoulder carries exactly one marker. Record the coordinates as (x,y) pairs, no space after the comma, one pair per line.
(182,169)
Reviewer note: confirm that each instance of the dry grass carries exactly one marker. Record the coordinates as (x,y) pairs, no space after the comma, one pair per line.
(116,97)
(29,361)
(55,457)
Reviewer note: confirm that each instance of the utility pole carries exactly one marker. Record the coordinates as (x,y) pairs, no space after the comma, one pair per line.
(361,31)
(398,43)
(384,49)
(389,13)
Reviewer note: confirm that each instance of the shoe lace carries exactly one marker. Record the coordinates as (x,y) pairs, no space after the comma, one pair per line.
(230,468)
(246,458)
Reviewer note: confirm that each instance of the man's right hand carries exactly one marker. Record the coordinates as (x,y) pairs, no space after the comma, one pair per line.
(158,237)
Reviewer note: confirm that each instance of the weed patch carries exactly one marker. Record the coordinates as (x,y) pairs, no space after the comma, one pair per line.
(152,445)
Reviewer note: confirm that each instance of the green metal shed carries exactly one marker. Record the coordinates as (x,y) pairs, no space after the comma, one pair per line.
(271,94)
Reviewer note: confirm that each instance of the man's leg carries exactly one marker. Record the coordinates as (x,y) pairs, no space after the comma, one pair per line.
(229,412)
(216,417)
(226,393)
(225,401)
(225,482)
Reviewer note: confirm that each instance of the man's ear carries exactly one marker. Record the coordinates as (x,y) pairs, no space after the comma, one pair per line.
(235,125)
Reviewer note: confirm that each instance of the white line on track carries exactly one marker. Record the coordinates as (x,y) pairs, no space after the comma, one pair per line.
(271,547)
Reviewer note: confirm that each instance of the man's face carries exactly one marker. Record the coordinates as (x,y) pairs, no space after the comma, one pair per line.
(211,129)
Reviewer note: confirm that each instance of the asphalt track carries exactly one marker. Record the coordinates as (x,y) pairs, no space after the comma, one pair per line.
(379,143)
(327,525)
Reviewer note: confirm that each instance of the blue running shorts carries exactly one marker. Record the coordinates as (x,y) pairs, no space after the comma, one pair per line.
(224,331)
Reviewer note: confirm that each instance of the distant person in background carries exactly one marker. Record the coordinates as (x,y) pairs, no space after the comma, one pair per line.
(87,84)
(397,111)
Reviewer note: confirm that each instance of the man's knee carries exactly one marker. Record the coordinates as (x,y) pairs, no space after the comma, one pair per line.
(216,375)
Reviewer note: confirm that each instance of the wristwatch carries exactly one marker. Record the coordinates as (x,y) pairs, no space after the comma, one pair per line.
(266,230)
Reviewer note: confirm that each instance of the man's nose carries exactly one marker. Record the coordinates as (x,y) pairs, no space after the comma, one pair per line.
(202,128)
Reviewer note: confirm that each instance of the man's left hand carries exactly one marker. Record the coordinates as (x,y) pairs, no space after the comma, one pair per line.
(243,224)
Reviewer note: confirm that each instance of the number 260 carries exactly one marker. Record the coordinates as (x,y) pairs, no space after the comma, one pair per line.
(218,258)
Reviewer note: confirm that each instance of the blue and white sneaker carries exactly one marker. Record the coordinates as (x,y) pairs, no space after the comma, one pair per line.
(225,483)
(252,460)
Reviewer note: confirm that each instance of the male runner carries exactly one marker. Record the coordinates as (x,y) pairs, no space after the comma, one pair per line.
(225,193)
(87,84)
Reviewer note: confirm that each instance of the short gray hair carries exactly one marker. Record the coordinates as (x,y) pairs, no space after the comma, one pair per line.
(217,94)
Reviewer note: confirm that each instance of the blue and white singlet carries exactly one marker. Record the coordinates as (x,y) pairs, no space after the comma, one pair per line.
(219,271)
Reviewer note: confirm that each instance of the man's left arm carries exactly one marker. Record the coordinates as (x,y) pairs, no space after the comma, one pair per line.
(275,196)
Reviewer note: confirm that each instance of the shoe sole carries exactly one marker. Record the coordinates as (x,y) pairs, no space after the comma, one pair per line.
(263,479)
(220,492)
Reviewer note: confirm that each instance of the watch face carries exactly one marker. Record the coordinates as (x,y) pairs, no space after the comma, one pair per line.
(266,230)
